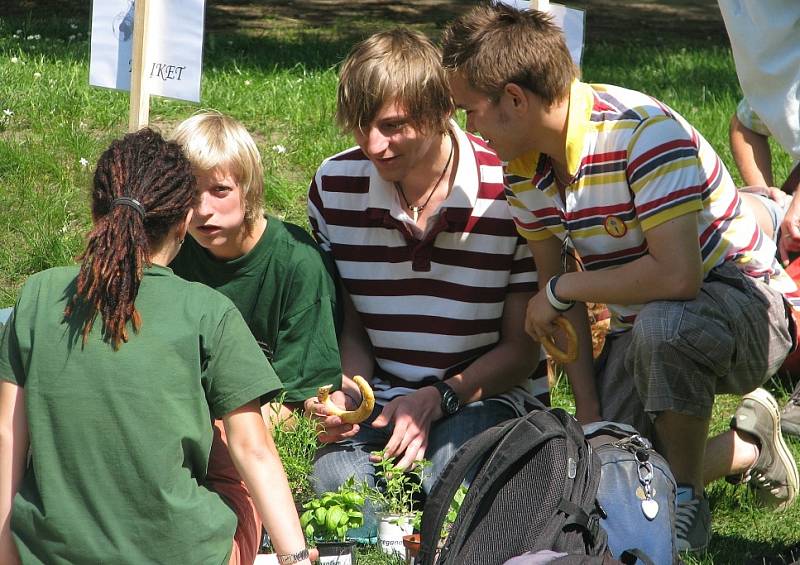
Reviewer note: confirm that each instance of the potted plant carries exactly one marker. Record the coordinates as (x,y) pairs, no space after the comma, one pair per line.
(395,494)
(413,542)
(327,518)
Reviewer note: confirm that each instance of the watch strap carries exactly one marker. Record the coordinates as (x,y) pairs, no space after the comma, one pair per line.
(447,392)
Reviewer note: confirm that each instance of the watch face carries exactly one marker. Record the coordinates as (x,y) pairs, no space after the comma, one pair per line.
(450,402)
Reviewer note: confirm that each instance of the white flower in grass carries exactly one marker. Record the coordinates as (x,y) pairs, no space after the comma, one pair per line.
(18,32)
(29,38)
(8,112)
(14,60)
(37,37)
(248,82)
(84,162)
(73,26)
(37,75)
(280,149)
(72,37)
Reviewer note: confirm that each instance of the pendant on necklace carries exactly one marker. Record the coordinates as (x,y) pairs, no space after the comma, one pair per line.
(415,210)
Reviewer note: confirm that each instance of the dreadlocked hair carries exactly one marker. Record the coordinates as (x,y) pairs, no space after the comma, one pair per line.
(155,173)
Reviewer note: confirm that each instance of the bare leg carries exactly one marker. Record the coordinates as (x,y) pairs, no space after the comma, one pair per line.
(729,453)
(752,154)
(792,182)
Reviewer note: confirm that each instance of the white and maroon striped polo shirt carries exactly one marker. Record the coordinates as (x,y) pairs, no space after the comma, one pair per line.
(430,303)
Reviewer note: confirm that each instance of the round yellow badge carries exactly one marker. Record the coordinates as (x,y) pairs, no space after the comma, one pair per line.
(615,227)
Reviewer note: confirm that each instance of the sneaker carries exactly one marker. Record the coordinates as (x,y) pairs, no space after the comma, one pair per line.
(692,524)
(774,474)
(790,415)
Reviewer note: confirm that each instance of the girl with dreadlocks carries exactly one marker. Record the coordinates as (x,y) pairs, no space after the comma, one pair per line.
(110,375)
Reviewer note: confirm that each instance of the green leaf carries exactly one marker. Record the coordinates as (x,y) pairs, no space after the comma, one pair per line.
(335,514)
(306,518)
(344,518)
(320,514)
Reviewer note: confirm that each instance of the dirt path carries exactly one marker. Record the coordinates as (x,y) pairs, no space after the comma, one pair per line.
(607,20)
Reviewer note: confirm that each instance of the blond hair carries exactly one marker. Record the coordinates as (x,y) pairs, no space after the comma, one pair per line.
(494,45)
(211,139)
(400,66)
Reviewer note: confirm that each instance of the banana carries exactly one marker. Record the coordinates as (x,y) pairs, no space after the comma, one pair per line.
(349,416)
(557,355)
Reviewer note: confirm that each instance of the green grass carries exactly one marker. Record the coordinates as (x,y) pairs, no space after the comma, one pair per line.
(281,84)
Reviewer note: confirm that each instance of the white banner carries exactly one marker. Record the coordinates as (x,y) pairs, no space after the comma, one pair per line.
(570,20)
(174,62)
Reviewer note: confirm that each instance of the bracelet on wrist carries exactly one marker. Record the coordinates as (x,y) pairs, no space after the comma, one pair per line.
(553,299)
(292,558)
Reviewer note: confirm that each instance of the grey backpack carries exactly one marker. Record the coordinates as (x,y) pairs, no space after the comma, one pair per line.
(535,489)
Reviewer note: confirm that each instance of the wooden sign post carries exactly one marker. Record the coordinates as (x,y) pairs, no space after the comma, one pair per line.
(139,115)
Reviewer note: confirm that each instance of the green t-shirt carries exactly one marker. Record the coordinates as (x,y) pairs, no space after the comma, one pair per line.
(284,289)
(120,440)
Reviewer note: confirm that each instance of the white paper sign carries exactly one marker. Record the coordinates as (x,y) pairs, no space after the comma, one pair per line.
(174,62)
(570,20)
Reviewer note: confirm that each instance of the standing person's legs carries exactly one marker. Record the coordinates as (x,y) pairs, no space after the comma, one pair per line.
(223,478)
(750,146)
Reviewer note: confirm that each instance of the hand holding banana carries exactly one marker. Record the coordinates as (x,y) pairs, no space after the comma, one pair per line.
(349,416)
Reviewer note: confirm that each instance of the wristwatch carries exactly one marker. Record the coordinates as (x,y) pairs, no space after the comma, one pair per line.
(450,403)
(292,558)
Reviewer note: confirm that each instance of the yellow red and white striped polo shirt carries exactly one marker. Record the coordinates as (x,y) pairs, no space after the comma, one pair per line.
(635,163)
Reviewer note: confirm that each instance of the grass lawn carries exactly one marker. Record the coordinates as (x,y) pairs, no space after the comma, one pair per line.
(280,81)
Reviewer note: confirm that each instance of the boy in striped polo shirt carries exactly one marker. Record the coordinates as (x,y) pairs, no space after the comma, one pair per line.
(658,224)
(435,276)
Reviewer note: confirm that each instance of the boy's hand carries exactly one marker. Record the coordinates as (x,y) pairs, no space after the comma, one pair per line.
(540,317)
(331,427)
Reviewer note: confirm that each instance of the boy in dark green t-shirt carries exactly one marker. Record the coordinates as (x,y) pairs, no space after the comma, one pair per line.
(272,270)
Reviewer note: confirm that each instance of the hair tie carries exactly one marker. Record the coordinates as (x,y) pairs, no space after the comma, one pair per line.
(130,202)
